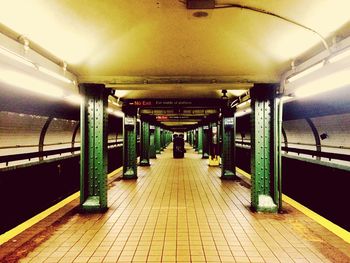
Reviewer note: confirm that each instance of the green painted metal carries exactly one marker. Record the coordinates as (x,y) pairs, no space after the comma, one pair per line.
(228,133)
(145,144)
(130,145)
(152,147)
(200,140)
(157,140)
(93,156)
(196,140)
(161,139)
(266,122)
(205,142)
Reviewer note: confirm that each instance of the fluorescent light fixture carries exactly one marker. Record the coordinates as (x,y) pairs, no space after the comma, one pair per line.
(286,98)
(244,104)
(323,84)
(27,82)
(74,99)
(243,112)
(117,113)
(54,74)
(339,56)
(306,72)
(18,58)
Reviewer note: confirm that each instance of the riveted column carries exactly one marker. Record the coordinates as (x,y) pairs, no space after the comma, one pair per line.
(200,140)
(130,144)
(161,139)
(152,139)
(205,142)
(228,131)
(196,143)
(145,143)
(93,156)
(266,122)
(157,139)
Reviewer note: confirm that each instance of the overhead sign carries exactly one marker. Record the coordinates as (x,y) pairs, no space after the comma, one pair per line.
(161,118)
(174,103)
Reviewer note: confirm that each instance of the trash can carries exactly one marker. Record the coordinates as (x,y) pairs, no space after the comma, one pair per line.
(179,146)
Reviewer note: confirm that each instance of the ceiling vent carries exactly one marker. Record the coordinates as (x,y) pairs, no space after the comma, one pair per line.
(200,4)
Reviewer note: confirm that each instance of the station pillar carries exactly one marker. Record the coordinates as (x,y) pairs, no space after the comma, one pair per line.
(196,133)
(152,146)
(200,140)
(214,156)
(93,155)
(145,144)
(266,125)
(228,133)
(130,144)
(157,139)
(205,142)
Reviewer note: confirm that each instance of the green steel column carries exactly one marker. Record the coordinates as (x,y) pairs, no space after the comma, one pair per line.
(157,139)
(161,140)
(130,144)
(196,139)
(205,142)
(266,119)
(152,147)
(145,144)
(228,168)
(200,140)
(93,155)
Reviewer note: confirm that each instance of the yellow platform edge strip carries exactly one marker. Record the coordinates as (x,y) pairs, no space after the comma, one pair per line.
(35,219)
(337,230)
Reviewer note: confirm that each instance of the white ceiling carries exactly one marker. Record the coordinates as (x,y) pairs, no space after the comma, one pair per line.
(103,40)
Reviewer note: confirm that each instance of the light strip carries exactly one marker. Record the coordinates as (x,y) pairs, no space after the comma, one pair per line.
(54,74)
(25,61)
(27,82)
(18,58)
(243,104)
(243,112)
(339,56)
(323,84)
(117,113)
(306,72)
(74,99)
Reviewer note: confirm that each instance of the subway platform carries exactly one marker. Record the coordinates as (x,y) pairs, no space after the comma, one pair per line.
(178,210)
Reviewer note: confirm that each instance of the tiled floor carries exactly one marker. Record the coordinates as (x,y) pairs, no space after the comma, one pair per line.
(180,211)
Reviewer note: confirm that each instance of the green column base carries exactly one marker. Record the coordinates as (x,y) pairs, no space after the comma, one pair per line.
(228,175)
(92,205)
(205,156)
(266,205)
(144,162)
(129,174)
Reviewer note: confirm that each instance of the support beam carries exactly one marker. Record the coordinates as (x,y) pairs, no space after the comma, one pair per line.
(206,142)
(200,140)
(152,147)
(42,136)
(130,144)
(196,140)
(145,144)
(228,131)
(157,140)
(93,156)
(266,123)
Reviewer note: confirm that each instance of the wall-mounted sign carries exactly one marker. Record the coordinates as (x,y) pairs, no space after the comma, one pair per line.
(206,127)
(228,121)
(161,118)
(152,127)
(129,120)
